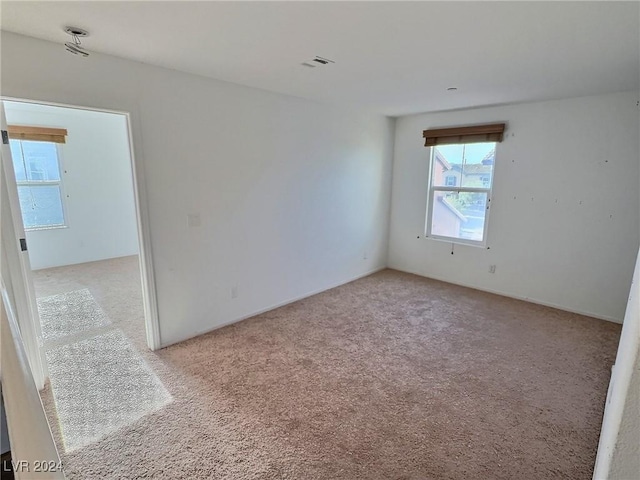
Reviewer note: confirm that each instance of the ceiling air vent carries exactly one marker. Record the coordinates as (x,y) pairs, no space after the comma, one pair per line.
(317,61)
(323,61)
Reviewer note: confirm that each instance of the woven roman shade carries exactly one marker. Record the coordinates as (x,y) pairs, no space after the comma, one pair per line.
(473,134)
(38,134)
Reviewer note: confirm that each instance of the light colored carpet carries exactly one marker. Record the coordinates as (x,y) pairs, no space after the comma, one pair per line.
(101,384)
(390,377)
(98,380)
(70,313)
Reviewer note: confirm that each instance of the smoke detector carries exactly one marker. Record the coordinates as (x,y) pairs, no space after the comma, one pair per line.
(75,46)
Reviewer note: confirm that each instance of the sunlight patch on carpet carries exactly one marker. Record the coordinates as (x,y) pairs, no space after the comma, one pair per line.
(100,385)
(69,314)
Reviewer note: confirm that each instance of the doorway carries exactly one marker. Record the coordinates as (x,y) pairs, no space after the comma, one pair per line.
(87,269)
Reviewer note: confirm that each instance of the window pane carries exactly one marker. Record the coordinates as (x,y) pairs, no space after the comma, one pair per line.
(41,161)
(469,165)
(459,215)
(41,206)
(477,170)
(446,172)
(18,164)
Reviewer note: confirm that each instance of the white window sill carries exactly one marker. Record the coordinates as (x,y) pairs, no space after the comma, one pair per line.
(39,229)
(457,241)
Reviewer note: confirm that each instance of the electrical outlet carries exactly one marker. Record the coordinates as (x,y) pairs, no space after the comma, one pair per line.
(492,269)
(234,291)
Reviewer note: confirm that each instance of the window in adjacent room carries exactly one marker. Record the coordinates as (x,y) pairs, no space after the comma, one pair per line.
(460,182)
(37,169)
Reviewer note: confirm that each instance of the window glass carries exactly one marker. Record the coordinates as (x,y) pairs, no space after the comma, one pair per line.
(41,161)
(18,163)
(459,215)
(37,172)
(41,206)
(461,180)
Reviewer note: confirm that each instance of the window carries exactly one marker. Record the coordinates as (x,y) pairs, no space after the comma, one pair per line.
(457,210)
(37,169)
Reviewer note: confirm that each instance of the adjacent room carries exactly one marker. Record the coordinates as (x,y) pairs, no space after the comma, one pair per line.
(311,240)
(73,173)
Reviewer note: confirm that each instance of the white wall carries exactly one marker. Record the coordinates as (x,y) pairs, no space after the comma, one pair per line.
(292,194)
(563,227)
(619,447)
(97,185)
(626,456)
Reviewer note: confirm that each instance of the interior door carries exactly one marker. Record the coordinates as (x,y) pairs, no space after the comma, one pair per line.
(15,264)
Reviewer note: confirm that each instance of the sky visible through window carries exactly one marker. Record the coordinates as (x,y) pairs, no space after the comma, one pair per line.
(474,152)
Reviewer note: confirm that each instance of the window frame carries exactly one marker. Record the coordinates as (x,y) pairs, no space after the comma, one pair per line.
(36,184)
(431,189)
(455,181)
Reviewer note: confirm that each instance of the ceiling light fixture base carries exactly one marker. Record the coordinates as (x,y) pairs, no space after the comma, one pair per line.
(75,46)
(76,32)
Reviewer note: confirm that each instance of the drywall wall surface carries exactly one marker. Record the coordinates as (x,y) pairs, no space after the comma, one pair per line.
(249,194)
(97,187)
(563,227)
(625,463)
(619,446)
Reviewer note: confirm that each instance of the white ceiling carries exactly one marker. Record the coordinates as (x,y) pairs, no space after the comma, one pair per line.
(391,57)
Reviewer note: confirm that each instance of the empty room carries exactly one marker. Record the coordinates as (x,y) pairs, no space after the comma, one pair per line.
(313,240)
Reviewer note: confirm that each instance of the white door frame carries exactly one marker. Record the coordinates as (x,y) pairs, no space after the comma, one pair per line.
(142,219)
(31,439)
(19,283)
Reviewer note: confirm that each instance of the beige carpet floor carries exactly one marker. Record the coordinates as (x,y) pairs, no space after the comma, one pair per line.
(392,376)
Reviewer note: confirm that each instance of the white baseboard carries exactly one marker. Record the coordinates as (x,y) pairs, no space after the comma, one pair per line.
(371,272)
(517,297)
(277,305)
